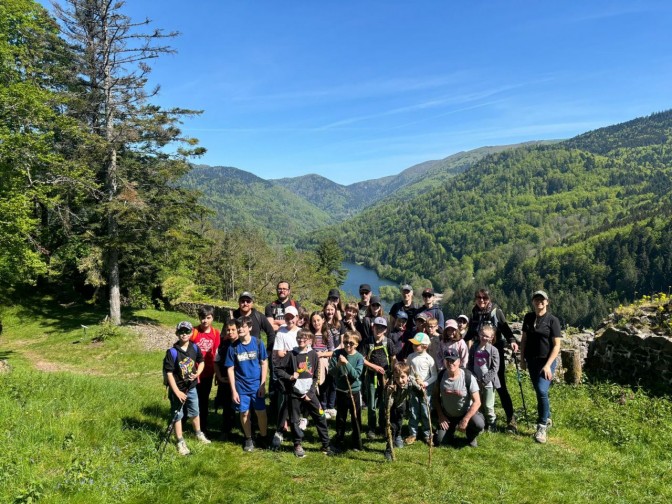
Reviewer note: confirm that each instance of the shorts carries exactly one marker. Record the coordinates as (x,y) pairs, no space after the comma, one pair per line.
(248,401)
(190,404)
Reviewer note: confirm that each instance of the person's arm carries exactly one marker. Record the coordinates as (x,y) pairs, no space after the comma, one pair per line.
(555,335)
(433,373)
(173,386)
(475,406)
(505,330)
(262,386)
(436,401)
(232,383)
(523,343)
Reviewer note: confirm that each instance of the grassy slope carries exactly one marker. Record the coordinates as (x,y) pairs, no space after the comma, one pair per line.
(88,433)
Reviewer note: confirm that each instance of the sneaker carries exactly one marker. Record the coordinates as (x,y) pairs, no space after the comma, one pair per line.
(409,440)
(428,441)
(388,455)
(512,425)
(398,442)
(332,412)
(277,441)
(299,451)
(549,423)
(201,437)
(249,445)
(329,451)
(182,448)
(327,415)
(303,423)
(370,435)
(490,428)
(473,443)
(540,435)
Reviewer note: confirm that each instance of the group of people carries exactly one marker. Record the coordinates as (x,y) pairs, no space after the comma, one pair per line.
(332,363)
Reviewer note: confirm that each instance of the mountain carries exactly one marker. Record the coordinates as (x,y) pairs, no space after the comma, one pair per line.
(587,218)
(242,200)
(342,201)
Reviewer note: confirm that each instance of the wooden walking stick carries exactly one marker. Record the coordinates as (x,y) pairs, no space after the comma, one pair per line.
(389,389)
(354,412)
(430,441)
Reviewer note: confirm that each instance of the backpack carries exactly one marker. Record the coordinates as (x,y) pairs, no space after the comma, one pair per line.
(372,347)
(173,354)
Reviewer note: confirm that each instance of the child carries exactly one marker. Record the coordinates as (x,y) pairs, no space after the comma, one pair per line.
(423,369)
(182,366)
(300,373)
(323,343)
(350,320)
(396,335)
(484,364)
(397,394)
(247,366)
(346,367)
(378,361)
(335,328)
(432,328)
(207,339)
(224,388)
(451,338)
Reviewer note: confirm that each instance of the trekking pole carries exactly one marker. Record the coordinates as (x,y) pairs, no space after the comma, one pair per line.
(388,412)
(169,431)
(520,385)
(354,413)
(430,441)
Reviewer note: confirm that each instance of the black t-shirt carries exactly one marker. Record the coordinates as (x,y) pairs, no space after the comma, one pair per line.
(411,311)
(540,333)
(259,324)
(379,354)
(276,309)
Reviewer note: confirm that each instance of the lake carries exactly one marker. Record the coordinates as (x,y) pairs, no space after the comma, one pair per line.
(358,275)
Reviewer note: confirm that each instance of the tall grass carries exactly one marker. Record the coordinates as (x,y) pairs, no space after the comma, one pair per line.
(87,431)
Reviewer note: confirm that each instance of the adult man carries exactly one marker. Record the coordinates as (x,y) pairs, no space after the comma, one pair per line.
(457,401)
(259,323)
(365,301)
(435,311)
(406,305)
(486,312)
(275,311)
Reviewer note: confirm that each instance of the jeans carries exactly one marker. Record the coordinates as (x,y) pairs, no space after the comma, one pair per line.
(419,413)
(541,386)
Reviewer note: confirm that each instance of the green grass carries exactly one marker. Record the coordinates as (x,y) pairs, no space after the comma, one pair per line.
(87,430)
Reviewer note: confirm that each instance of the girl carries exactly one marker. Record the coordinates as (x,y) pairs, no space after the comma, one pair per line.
(451,338)
(335,328)
(484,364)
(323,344)
(375,309)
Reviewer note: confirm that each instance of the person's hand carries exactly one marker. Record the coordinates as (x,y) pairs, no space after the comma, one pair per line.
(379,370)
(306,398)
(514,346)
(295,376)
(546,372)
(462,426)
(262,390)
(181,396)
(444,424)
(235,397)
(342,361)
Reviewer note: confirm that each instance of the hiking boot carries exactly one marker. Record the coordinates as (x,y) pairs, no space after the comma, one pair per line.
(201,437)
(473,443)
(277,441)
(303,423)
(182,448)
(299,451)
(329,451)
(398,442)
(540,435)
(409,440)
(512,425)
(388,455)
(370,435)
(248,446)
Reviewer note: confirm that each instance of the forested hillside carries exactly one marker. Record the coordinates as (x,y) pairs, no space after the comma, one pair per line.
(591,226)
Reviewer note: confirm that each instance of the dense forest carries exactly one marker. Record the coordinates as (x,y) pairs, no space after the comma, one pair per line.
(587,219)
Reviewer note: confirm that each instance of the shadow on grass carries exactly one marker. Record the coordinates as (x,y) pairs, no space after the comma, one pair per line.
(5,354)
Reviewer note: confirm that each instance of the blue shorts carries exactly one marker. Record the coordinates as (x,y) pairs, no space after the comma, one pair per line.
(253,401)
(190,405)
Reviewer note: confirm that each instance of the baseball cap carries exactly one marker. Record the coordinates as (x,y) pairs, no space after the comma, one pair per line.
(422,315)
(406,287)
(428,292)
(334,293)
(184,327)
(246,294)
(540,293)
(401,314)
(420,339)
(451,323)
(375,300)
(451,355)
(463,317)
(380,321)
(364,287)
(291,310)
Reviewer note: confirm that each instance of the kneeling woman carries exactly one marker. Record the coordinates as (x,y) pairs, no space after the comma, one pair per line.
(540,347)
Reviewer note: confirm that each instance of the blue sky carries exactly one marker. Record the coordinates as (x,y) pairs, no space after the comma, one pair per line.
(358,89)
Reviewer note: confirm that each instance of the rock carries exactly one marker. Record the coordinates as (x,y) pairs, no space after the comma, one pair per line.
(5,366)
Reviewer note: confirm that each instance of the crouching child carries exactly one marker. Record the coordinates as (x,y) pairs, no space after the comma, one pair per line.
(397,394)
(301,373)
(182,366)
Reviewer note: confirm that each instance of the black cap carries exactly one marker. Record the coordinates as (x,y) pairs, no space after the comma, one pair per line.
(428,292)
(364,287)
(247,295)
(375,300)
(451,355)
(334,293)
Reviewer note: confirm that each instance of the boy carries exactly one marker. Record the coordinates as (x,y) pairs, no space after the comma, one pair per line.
(397,333)
(378,361)
(301,374)
(207,339)
(346,367)
(182,366)
(224,387)
(397,394)
(285,342)
(423,369)
(247,364)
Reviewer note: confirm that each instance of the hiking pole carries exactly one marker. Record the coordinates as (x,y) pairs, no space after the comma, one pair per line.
(520,384)
(169,431)
(430,441)
(354,413)
(388,412)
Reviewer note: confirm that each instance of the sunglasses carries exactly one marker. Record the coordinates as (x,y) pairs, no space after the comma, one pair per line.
(182,332)
(349,343)
(483,298)
(245,301)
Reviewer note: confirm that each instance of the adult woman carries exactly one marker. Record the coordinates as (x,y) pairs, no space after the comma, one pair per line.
(539,347)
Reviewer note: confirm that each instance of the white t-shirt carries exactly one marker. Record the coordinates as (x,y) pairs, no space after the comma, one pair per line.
(423,366)
(285,339)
